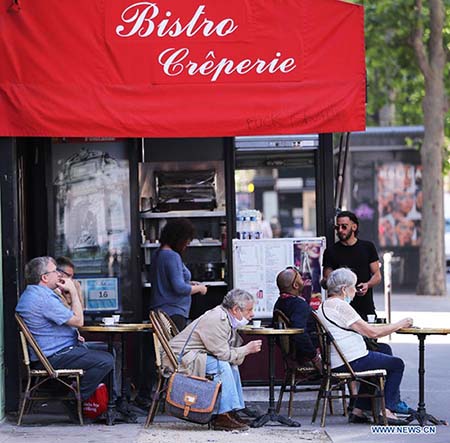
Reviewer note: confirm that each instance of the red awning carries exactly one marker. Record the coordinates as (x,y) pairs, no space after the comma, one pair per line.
(190,68)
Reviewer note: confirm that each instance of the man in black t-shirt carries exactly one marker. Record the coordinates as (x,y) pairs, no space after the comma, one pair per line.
(358,255)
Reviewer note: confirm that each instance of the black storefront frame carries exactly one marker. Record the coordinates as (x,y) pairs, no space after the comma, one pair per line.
(13,254)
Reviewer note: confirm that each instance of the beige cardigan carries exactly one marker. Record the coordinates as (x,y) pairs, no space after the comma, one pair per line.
(213,335)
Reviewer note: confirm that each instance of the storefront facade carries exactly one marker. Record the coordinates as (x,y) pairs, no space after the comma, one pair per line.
(129,99)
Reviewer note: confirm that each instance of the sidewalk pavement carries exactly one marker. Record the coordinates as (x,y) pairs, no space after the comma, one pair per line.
(426,311)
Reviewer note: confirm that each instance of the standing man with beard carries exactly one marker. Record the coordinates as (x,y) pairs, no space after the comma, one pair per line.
(358,255)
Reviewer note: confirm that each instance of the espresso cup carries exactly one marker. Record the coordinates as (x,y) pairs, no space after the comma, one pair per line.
(371,318)
(116,318)
(108,321)
(256,323)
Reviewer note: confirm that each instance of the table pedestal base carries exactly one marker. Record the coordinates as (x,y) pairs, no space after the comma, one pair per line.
(120,413)
(272,416)
(423,418)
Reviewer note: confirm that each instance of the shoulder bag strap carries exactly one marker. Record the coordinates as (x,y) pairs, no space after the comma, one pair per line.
(334,323)
(180,355)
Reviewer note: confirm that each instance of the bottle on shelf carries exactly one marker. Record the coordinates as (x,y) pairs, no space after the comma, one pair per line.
(249,225)
(255,229)
(245,232)
(239,222)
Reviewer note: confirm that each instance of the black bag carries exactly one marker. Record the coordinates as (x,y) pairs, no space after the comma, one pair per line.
(191,398)
(371,344)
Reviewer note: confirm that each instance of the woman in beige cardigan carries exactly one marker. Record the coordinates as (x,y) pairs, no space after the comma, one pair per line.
(211,345)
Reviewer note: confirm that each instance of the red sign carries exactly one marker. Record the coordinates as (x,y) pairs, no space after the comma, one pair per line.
(128,68)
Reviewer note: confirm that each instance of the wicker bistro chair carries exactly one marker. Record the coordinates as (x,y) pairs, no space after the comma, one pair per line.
(334,383)
(161,336)
(36,378)
(298,377)
(169,328)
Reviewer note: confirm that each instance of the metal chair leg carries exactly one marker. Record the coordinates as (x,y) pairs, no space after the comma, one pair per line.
(155,402)
(382,401)
(320,395)
(22,409)
(79,402)
(282,391)
(324,408)
(330,406)
(344,401)
(291,394)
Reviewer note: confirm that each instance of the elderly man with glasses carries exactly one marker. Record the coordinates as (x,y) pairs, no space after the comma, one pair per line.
(211,345)
(54,325)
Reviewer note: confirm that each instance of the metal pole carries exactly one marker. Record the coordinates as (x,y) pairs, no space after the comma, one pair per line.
(387,272)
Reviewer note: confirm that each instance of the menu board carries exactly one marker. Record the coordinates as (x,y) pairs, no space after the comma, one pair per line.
(256,264)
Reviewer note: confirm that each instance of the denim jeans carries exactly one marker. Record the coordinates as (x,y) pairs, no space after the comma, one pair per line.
(231,397)
(96,366)
(117,371)
(394,367)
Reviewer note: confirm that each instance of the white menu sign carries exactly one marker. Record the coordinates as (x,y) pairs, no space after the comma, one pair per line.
(256,264)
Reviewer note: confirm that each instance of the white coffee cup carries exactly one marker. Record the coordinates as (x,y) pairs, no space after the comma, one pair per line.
(371,318)
(116,318)
(108,321)
(256,323)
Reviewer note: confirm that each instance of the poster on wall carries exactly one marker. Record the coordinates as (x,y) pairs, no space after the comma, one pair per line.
(399,188)
(256,264)
(91,195)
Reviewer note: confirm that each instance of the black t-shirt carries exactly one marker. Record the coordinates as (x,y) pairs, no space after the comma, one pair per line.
(358,258)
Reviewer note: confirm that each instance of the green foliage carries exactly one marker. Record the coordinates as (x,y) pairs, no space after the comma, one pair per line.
(393,75)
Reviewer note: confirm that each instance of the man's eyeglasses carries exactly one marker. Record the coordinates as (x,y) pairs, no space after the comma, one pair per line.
(51,272)
(64,273)
(296,272)
(344,227)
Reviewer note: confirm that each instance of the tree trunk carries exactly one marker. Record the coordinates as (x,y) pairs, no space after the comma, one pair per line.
(432,273)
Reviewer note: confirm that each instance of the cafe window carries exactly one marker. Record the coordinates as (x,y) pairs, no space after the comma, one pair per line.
(91,217)
(276,176)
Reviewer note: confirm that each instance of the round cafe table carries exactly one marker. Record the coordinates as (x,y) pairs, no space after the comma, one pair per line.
(421,414)
(271,335)
(112,414)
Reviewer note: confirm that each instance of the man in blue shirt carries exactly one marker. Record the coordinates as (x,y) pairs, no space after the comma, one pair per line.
(54,326)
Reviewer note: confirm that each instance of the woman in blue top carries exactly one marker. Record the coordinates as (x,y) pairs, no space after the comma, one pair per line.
(170,278)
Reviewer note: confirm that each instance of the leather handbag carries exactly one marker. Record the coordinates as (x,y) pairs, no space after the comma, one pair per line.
(190,397)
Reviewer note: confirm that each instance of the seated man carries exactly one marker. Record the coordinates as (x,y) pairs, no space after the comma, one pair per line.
(216,348)
(298,311)
(54,325)
(66,268)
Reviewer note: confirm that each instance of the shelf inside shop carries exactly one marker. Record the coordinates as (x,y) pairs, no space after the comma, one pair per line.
(186,214)
(206,283)
(200,244)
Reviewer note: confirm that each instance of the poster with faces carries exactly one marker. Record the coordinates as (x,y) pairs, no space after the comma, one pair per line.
(399,190)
